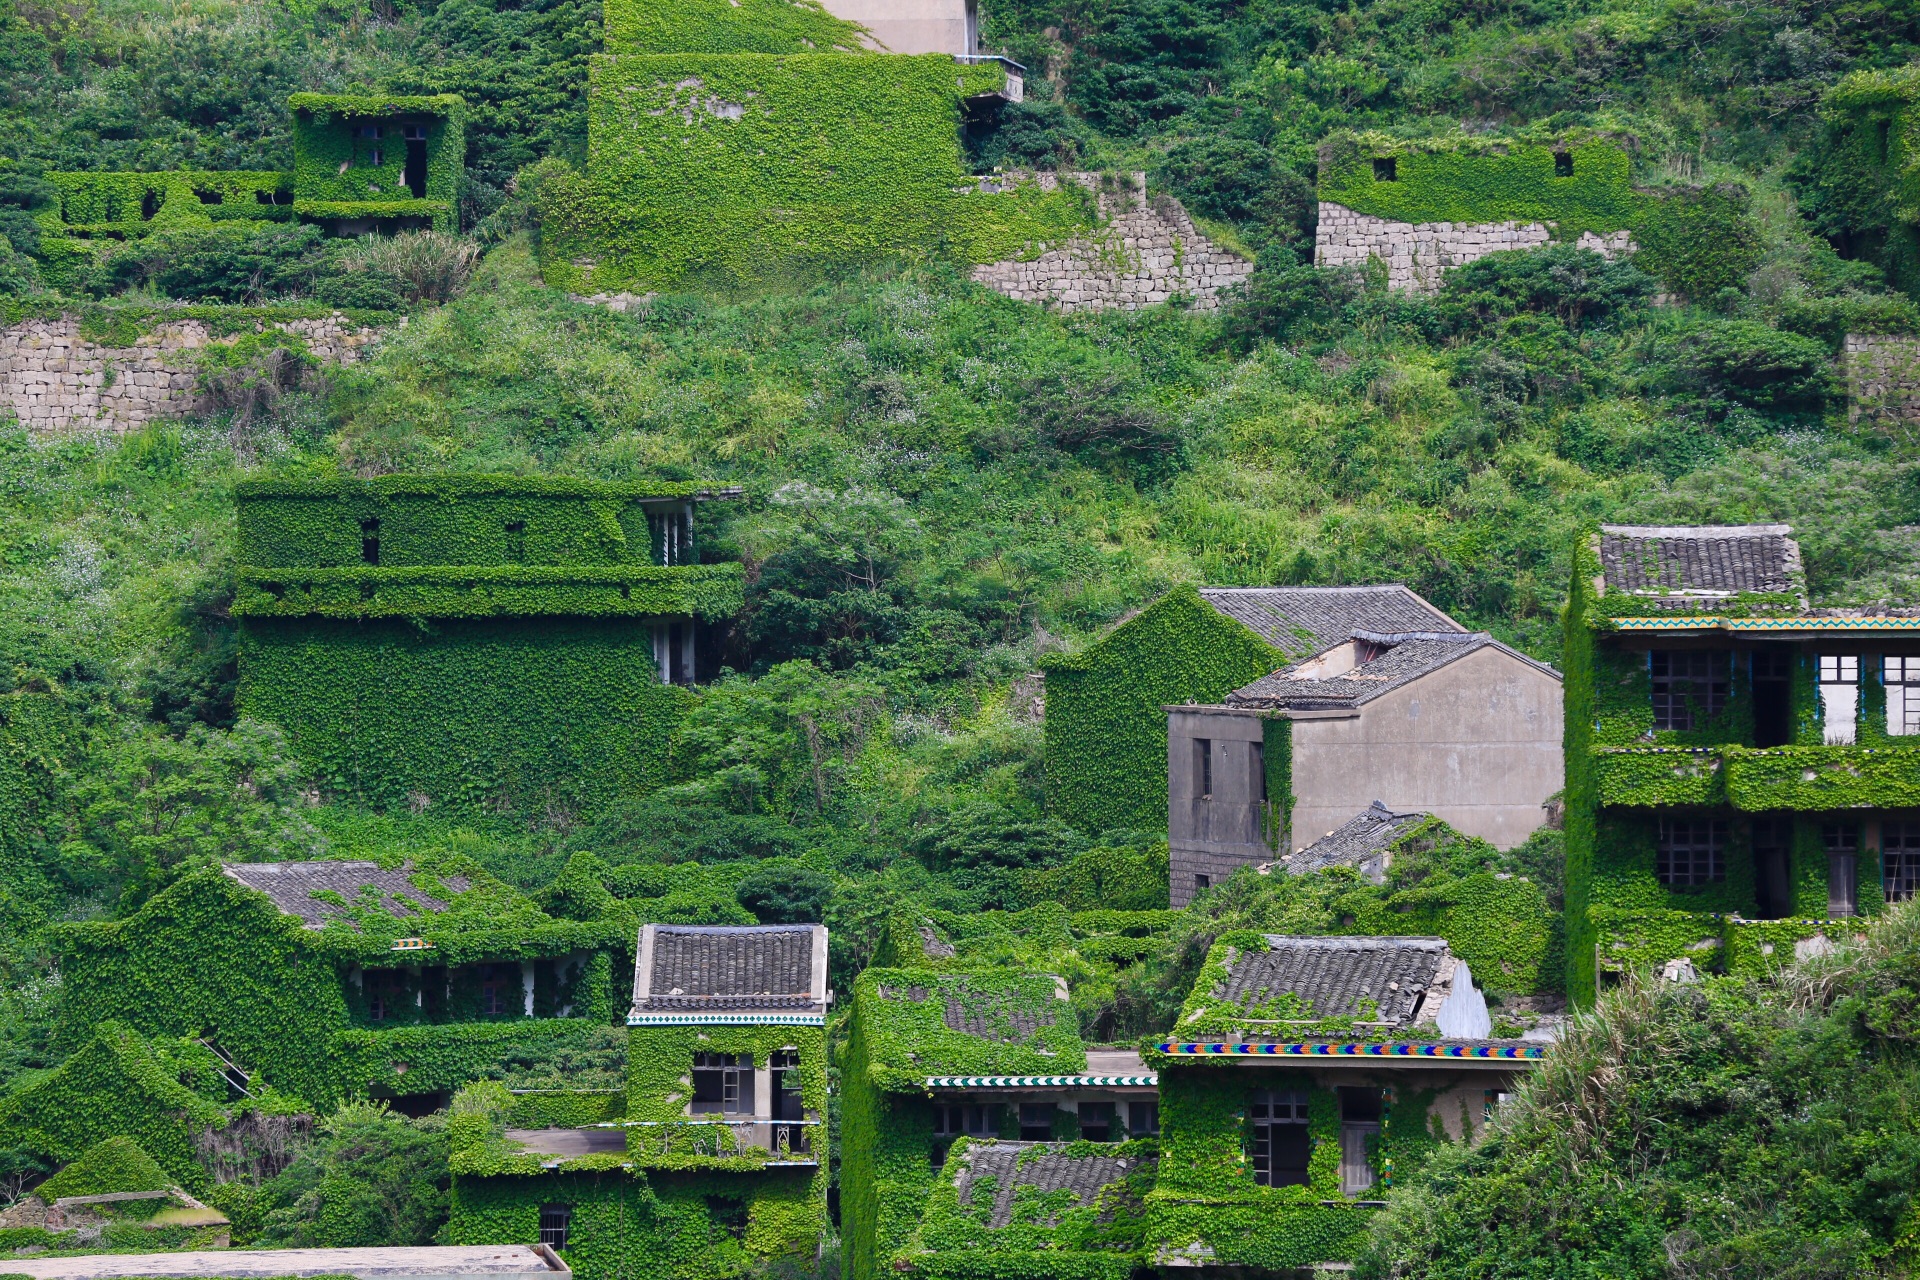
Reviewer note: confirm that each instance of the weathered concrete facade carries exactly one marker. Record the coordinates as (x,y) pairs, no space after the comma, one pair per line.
(1883,378)
(56,381)
(1475,741)
(914,26)
(1146,251)
(1417,253)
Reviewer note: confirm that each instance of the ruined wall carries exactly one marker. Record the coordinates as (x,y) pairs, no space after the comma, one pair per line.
(1144,252)
(1416,253)
(56,381)
(1883,378)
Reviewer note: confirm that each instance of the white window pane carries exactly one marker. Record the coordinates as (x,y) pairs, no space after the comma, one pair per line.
(1839,702)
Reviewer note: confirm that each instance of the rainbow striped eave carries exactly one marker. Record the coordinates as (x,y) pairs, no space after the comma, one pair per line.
(1146,1079)
(1788,623)
(1422,1050)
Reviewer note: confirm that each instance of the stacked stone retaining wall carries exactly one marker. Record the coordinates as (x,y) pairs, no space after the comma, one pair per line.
(57,382)
(1146,251)
(1417,253)
(1883,379)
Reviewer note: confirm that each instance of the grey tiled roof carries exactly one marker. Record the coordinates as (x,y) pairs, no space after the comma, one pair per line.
(986,1015)
(1338,977)
(1401,665)
(291,886)
(1303,620)
(1360,842)
(1655,560)
(1045,1167)
(717,967)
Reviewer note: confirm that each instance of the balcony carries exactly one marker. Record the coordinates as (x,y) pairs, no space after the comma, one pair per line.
(1760,780)
(480,591)
(1647,777)
(1015,88)
(760,1139)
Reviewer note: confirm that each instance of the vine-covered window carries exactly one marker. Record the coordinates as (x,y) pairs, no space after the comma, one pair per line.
(501,990)
(1840,696)
(1691,851)
(1096,1121)
(554,1221)
(1842,840)
(723,1084)
(973,1120)
(1900,860)
(385,991)
(1280,1143)
(1689,687)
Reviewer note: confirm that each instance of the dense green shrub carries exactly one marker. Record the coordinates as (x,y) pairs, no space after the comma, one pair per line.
(113,1164)
(226,265)
(1238,180)
(1577,285)
(1750,364)
(781,891)
(1698,243)
(369,1177)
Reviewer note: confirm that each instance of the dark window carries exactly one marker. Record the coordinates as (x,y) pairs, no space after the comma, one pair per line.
(971,1119)
(1883,138)
(414,175)
(1257,784)
(370,131)
(784,1079)
(1689,687)
(677,672)
(370,541)
(1096,1121)
(723,1084)
(1843,854)
(208,197)
(1280,1144)
(1772,684)
(385,991)
(554,1221)
(1143,1118)
(1690,851)
(415,133)
(1203,768)
(1900,860)
(1772,894)
(517,541)
(1036,1121)
(1386,169)
(149,205)
(1202,881)
(501,990)
(1563,164)
(375,158)
(729,1214)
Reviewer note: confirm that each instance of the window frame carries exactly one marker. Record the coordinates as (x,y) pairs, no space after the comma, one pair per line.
(1704,852)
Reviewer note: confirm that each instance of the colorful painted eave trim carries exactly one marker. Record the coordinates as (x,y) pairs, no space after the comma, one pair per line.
(726,1020)
(1764,624)
(1040,1082)
(1356,1049)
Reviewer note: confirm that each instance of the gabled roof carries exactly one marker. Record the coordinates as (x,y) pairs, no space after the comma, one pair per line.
(982,1011)
(292,886)
(1700,562)
(1046,1167)
(1304,620)
(711,969)
(1373,980)
(918,1024)
(1362,842)
(1406,660)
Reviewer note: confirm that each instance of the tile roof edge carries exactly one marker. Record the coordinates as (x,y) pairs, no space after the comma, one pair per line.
(1699,532)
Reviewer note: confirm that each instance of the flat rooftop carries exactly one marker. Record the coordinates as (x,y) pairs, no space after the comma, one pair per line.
(501,1261)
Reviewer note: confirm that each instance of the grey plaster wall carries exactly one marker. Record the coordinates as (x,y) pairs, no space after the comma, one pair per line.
(57,382)
(1146,250)
(1476,743)
(1417,254)
(1213,835)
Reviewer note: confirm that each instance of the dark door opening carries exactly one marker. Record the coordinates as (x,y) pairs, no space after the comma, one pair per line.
(1772,710)
(1773,897)
(415,175)
(413,1105)
(370,541)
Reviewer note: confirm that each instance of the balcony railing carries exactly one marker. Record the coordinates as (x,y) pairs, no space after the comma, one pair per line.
(1016,90)
(782,1140)
(1760,780)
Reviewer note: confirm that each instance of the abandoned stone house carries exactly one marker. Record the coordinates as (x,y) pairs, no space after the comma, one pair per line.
(1448,723)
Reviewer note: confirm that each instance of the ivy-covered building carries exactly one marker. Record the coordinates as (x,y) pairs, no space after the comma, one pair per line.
(471,640)
(327,979)
(1450,723)
(1739,784)
(378,162)
(714,1160)
(1106,723)
(1303,1075)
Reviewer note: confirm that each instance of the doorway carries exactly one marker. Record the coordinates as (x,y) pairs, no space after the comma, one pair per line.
(1772,704)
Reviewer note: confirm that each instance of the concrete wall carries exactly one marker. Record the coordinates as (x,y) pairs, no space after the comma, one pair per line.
(1146,250)
(1476,743)
(1213,836)
(912,26)
(1883,378)
(57,382)
(1417,253)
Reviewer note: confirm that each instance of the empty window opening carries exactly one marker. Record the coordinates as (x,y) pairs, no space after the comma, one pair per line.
(729,1215)
(1883,139)
(1359,1126)
(1690,851)
(723,1084)
(385,991)
(370,541)
(1096,1122)
(208,197)
(414,175)
(1839,697)
(1689,687)
(1772,697)
(149,205)
(678,672)
(1036,1121)
(554,1221)
(971,1119)
(1773,895)
(1386,169)
(1201,880)
(783,1077)
(1842,840)
(1143,1119)
(1203,768)
(1900,860)
(1280,1146)
(516,541)
(1563,164)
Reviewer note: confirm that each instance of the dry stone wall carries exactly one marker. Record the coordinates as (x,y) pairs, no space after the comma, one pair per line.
(1416,253)
(1146,251)
(1883,378)
(57,382)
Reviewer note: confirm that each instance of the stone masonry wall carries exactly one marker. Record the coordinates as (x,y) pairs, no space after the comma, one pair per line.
(1416,253)
(1883,378)
(1146,251)
(57,382)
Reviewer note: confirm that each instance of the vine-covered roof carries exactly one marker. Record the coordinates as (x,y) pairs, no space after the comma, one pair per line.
(1003,1171)
(1706,560)
(319,891)
(920,1023)
(1362,842)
